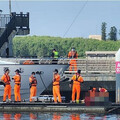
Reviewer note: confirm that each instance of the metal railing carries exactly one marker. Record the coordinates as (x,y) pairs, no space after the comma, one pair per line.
(4,20)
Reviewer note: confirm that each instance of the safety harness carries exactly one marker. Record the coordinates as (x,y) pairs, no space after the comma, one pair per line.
(73,55)
(34,82)
(8,80)
(18,82)
(57,82)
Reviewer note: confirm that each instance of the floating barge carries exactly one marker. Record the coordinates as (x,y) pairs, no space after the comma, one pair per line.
(60,107)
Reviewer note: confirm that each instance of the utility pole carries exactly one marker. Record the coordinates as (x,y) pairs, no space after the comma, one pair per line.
(10,6)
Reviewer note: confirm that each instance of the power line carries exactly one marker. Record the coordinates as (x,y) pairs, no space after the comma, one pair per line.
(75,18)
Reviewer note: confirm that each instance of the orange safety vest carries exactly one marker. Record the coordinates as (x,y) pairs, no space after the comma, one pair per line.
(72,54)
(6,79)
(17,79)
(33,81)
(77,79)
(56,80)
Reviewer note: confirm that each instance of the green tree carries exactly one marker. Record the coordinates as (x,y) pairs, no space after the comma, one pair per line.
(103,31)
(113,33)
(43,45)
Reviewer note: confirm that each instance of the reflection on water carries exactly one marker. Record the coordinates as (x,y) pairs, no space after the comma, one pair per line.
(56,116)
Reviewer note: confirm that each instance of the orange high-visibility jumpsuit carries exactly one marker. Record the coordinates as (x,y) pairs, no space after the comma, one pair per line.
(77,79)
(17,80)
(56,88)
(73,56)
(33,89)
(7,89)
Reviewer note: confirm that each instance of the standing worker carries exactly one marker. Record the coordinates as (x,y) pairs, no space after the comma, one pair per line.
(56,86)
(73,56)
(33,85)
(76,80)
(55,56)
(7,89)
(17,81)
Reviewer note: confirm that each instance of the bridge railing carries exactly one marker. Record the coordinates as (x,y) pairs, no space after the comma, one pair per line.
(4,20)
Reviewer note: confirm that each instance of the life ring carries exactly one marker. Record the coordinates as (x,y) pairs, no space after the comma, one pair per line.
(28,62)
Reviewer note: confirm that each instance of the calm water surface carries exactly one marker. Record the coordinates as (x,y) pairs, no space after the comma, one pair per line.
(56,116)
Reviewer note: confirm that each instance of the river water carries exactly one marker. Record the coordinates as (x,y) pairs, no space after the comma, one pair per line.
(56,116)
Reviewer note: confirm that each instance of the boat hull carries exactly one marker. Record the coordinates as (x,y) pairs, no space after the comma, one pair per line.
(44,79)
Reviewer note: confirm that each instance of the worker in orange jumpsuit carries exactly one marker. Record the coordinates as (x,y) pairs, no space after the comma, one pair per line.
(17,81)
(76,80)
(33,85)
(56,86)
(73,56)
(7,89)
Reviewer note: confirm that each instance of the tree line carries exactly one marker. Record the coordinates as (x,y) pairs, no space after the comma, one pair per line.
(112,35)
(43,45)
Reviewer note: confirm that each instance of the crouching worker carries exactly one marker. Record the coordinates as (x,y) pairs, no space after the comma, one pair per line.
(76,80)
(56,86)
(33,85)
(7,89)
(17,81)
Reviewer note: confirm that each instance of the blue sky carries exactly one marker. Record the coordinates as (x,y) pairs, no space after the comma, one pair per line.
(53,18)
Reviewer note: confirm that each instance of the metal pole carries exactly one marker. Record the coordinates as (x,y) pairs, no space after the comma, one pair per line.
(10,6)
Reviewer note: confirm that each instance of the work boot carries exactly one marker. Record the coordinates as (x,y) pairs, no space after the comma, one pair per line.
(9,100)
(59,102)
(77,101)
(72,101)
(55,102)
